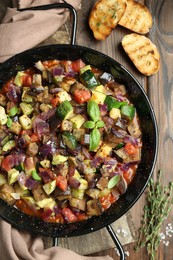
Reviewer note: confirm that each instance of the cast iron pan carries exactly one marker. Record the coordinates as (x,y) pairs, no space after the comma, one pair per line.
(148,125)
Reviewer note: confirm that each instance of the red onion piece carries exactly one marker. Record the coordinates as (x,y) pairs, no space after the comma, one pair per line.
(31,183)
(103,109)
(57,71)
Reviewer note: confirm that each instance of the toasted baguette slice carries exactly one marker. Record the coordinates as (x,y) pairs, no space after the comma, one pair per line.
(142,52)
(137,17)
(104,16)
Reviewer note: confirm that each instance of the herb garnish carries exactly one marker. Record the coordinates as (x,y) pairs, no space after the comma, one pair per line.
(94,113)
(159,202)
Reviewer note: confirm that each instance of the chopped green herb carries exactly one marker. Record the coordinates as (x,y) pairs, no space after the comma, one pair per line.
(113,181)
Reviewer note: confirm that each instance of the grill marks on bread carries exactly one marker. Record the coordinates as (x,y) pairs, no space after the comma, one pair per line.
(136,17)
(142,52)
(104,16)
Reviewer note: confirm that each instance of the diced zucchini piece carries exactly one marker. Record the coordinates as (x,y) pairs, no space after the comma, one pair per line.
(18,78)
(26,108)
(78,203)
(49,187)
(78,194)
(39,65)
(45,163)
(3,116)
(63,95)
(101,89)
(25,97)
(2,179)
(79,134)
(83,184)
(104,151)
(69,140)
(115,113)
(128,111)
(12,176)
(25,122)
(9,145)
(58,159)
(15,128)
(46,202)
(77,121)
(87,77)
(64,110)
(45,107)
(98,97)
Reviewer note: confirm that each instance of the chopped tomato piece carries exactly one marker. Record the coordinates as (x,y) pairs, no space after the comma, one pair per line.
(69,215)
(54,101)
(107,201)
(128,175)
(81,96)
(7,163)
(28,132)
(34,137)
(50,63)
(61,182)
(77,65)
(26,80)
(81,216)
(24,207)
(6,86)
(130,149)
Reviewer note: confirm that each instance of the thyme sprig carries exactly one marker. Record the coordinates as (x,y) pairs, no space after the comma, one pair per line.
(156,210)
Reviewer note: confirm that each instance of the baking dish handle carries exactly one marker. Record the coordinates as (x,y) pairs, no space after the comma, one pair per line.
(58,6)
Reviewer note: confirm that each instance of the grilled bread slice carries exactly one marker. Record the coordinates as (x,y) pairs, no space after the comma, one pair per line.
(137,17)
(104,16)
(142,52)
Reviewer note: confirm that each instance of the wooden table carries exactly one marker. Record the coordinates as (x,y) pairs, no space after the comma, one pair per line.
(160,91)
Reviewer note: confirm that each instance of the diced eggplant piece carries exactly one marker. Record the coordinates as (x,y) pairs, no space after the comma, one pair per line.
(67,125)
(122,185)
(78,203)
(94,207)
(32,149)
(62,169)
(2,100)
(102,183)
(121,155)
(134,130)
(112,141)
(105,78)
(38,193)
(62,195)
(5,193)
(20,191)
(93,193)
(49,187)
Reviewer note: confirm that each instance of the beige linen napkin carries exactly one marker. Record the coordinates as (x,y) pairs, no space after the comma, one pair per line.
(20,31)
(21,245)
